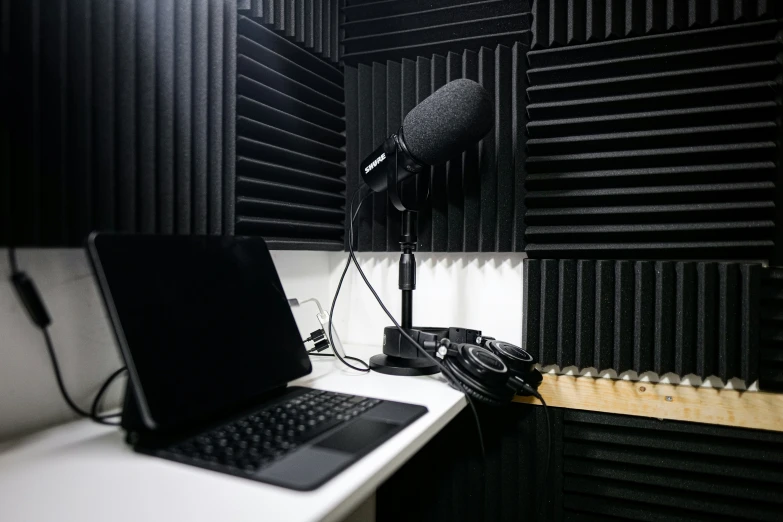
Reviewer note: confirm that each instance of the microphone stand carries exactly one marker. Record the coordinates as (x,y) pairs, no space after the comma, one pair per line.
(399,356)
(407,276)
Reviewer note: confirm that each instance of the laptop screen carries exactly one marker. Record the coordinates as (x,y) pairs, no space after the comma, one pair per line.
(203,322)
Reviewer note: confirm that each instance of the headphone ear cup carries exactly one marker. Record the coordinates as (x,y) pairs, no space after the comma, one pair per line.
(495,396)
(484,399)
(519,361)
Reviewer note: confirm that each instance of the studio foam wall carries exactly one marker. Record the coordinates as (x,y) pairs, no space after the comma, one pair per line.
(663,146)
(313,24)
(771,309)
(602,466)
(701,318)
(396,29)
(634,468)
(567,22)
(117,115)
(290,142)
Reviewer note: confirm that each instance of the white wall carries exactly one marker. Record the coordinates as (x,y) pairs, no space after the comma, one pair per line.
(29,398)
(83,342)
(477,291)
(305,275)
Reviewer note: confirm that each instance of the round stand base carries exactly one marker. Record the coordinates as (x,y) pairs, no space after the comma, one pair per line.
(390,365)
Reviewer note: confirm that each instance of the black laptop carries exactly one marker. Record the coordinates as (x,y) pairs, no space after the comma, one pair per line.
(206,331)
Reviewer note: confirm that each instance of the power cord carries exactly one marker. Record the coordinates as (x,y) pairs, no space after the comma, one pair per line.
(351,257)
(96,403)
(31,299)
(318,338)
(532,391)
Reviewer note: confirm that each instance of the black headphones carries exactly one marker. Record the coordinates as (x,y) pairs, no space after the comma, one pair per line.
(492,371)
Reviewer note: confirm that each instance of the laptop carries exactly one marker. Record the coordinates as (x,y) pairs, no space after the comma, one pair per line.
(207,334)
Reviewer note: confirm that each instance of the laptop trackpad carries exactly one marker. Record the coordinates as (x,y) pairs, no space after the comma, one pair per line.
(310,467)
(306,469)
(357,436)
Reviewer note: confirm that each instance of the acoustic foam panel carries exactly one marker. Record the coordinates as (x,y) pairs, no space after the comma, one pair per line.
(313,24)
(117,115)
(568,22)
(661,146)
(634,468)
(473,203)
(603,467)
(450,480)
(397,29)
(290,142)
(679,317)
(771,373)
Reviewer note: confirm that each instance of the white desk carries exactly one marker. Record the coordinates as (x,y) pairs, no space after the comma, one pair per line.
(85,472)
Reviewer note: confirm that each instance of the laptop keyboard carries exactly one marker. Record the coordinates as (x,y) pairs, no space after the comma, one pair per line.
(260,438)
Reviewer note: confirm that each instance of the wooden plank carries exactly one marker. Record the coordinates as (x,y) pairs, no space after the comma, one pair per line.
(743,409)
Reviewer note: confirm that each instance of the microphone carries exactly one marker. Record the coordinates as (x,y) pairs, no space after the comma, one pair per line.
(446,123)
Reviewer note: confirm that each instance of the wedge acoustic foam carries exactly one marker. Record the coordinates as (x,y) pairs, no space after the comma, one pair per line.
(701,318)
(117,115)
(660,146)
(290,142)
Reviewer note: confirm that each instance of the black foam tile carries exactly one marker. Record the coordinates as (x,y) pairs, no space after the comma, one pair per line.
(604,314)
(685,319)
(771,328)
(293,185)
(504,167)
(750,320)
(111,131)
(729,310)
(663,348)
(644,316)
(584,321)
(560,22)
(706,318)
(661,316)
(519,119)
(611,123)
(566,313)
(549,301)
(531,305)
(623,314)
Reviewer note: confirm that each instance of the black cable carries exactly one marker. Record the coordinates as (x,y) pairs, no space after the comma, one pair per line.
(12,260)
(58,376)
(101,419)
(99,396)
(444,370)
(532,391)
(348,357)
(340,284)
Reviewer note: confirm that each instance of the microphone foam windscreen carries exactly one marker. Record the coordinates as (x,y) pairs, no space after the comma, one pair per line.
(448,121)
